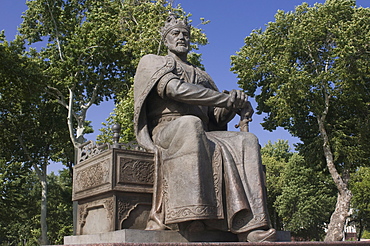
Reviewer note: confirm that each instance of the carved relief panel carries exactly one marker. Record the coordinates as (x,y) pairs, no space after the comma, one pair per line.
(136,171)
(96,216)
(92,176)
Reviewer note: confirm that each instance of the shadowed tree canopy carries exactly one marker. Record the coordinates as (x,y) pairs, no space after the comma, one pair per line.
(310,72)
(360,184)
(32,125)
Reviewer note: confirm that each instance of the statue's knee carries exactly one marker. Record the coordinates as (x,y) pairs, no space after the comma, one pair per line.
(250,138)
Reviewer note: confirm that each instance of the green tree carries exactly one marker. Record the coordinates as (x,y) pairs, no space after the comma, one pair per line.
(60,216)
(360,184)
(275,157)
(85,61)
(306,200)
(300,199)
(311,67)
(19,220)
(31,123)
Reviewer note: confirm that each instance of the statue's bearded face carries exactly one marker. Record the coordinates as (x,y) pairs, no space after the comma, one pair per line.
(178,41)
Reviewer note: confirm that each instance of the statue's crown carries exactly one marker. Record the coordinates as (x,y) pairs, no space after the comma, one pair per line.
(171,23)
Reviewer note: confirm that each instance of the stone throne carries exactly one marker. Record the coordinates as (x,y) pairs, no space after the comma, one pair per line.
(112,186)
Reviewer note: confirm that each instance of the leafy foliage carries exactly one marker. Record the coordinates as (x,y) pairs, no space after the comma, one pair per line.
(307,200)
(360,184)
(123,115)
(303,58)
(300,199)
(19,220)
(60,218)
(14,187)
(275,158)
(33,129)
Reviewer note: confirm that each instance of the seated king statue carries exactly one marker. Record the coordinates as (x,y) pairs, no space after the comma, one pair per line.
(204,176)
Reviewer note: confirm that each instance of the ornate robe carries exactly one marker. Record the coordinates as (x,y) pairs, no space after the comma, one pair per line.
(202,172)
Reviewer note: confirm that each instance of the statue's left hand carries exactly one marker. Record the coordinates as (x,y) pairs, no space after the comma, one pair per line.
(239,103)
(238,99)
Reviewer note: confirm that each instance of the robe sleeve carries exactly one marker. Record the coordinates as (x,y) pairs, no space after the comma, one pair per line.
(181,91)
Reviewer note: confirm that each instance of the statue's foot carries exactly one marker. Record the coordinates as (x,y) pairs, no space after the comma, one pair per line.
(258,236)
(154,226)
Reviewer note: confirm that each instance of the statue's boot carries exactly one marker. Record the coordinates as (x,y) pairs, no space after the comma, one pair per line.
(258,236)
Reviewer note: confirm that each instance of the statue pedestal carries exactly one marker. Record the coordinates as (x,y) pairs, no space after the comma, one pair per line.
(142,236)
(113,190)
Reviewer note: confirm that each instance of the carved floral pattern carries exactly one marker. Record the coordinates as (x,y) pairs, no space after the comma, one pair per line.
(136,171)
(191,212)
(217,179)
(92,176)
(124,209)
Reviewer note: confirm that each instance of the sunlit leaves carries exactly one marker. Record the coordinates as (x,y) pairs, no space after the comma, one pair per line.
(303,58)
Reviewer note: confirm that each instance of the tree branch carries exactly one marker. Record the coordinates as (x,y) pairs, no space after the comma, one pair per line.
(61,100)
(92,100)
(69,119)
(56,32)
(59,96)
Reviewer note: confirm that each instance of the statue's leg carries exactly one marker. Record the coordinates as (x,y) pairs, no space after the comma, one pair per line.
(186,156)
(253,178)
(242,164)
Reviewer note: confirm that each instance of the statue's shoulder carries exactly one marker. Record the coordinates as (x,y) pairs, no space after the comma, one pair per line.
(150,64)
(152,67)
(152,60)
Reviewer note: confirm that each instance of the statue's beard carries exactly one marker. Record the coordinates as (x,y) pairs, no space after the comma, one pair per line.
(180,50)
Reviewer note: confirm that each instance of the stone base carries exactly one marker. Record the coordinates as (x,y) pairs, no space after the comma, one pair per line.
(142,236)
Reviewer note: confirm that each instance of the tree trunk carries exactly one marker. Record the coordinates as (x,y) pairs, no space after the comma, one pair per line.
(42,175)
(338,218)
(361,231)
(44,190)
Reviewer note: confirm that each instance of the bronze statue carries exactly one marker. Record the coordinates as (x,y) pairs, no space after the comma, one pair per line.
(205,176)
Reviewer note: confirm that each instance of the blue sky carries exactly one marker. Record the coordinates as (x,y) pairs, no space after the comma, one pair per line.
(231,22)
